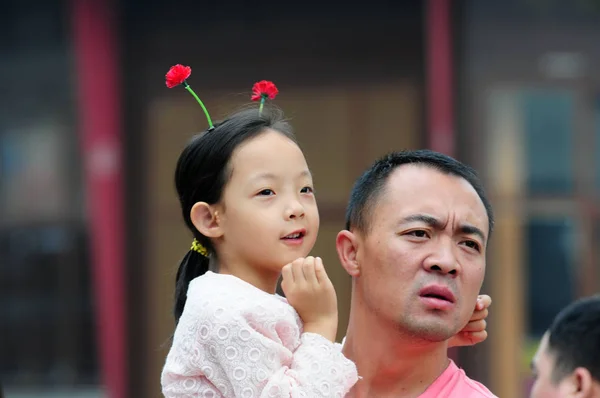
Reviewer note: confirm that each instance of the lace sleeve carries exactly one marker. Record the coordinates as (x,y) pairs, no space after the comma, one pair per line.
(226,355)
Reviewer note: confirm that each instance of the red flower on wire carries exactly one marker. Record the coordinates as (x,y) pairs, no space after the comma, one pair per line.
(263,90)
(177,75)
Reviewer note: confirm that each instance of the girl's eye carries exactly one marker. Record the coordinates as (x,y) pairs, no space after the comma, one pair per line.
(306,190)
(266,192)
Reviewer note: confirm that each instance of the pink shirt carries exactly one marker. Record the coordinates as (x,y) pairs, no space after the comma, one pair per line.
(454,383)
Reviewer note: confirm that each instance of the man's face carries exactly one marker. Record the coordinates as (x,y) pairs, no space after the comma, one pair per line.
(542,367)
(422,261)
(578,384)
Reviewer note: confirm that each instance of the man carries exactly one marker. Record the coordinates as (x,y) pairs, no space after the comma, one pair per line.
(417,228)
(567,363)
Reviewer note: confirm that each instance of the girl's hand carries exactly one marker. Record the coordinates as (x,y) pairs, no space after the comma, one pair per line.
(474,332)
(309,290)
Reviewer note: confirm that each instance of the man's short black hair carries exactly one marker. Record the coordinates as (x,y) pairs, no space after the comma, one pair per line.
(574,339)
(370,185)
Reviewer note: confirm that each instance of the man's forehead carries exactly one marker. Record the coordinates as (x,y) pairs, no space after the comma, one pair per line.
(415,176)
(542,352)
(415,189)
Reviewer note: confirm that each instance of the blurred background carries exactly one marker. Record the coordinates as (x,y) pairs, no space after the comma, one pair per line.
(90,229)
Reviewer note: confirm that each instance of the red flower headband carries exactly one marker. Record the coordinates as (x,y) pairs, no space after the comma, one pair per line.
(263,90)
(179,74)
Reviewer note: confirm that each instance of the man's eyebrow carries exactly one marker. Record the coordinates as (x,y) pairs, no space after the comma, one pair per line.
(532,366)
(424,218)
(472,230)
(435,223)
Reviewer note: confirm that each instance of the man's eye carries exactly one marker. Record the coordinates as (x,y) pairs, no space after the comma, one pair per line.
(473,245)
(419,233)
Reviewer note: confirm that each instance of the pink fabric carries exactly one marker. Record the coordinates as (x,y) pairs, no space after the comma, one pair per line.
(454,383)
(234,340)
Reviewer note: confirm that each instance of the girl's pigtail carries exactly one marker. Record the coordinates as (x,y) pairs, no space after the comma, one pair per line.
(194,264)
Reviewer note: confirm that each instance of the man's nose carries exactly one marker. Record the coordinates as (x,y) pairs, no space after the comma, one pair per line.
(442,260)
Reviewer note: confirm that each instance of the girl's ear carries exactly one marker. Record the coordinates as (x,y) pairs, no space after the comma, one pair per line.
(206,219)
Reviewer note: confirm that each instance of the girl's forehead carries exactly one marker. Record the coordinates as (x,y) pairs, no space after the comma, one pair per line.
(267,149)
(269,155)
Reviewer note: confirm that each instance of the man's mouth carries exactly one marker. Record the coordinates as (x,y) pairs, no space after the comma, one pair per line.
(438,292)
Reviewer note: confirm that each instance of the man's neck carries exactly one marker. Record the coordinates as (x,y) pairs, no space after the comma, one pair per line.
(389,363)
(595,390)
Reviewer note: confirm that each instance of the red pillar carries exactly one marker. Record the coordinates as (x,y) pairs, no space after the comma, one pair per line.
(440,109)
(440,100)
(98,102)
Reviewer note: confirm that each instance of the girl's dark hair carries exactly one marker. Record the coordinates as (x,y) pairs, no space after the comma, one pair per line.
(201,174)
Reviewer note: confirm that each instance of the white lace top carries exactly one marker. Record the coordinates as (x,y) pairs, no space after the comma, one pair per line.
(235,340)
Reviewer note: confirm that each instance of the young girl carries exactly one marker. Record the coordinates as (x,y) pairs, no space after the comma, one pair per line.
(247,196)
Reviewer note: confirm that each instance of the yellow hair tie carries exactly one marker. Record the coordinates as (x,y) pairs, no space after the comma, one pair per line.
(199,248)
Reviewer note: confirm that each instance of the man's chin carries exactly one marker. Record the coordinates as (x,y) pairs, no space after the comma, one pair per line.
(433,331)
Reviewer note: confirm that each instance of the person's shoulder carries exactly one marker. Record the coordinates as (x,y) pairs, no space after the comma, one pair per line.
(228,298)
(219,288)
(474,389)
(210,281)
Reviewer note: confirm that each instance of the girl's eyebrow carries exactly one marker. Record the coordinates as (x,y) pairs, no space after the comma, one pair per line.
(273,176)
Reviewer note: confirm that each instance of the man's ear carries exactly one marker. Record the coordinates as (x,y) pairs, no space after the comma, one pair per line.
(583,383)
(206,219)
(347,245)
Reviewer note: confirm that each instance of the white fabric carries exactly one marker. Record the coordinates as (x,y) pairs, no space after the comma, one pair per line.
(235,340)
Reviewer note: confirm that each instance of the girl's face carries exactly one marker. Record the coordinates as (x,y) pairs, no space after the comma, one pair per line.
(269,214)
